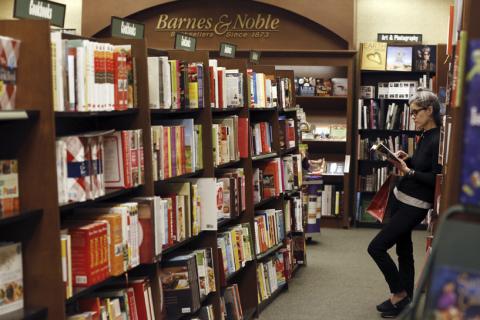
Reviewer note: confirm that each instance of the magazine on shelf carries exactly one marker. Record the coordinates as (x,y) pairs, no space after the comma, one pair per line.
(382,150)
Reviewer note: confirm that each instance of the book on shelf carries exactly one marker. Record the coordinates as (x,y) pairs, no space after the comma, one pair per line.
(175,84)
(323,87)
(284,93)
(225,139)
(294,214)
(298,249)
(403,142)
(235,249)
(425,58)
(234,198)
(367,92)
(306,87)
(205,313)
(385,152)
(206,271)
(292,172)
(9,189)
(11,277)
(373,56)
(226,86)
(92,76)
(209,203)
(329,201)
(340,87)
(179,278)
(287,132)
(10,51)
(377,115)
(269,229)
(261,137)
(363,201)
(270,276)
(231,303)
(399,58)
(262,89)
(372,180)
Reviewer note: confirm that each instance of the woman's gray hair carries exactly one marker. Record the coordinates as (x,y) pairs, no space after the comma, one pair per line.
(425,98)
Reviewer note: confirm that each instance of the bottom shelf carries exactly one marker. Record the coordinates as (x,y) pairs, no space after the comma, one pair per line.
(264,304)
(249,314)
(378,225)
(26,314)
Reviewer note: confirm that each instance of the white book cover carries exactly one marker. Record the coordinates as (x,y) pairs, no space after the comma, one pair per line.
(56,40)
(81,83)
(214,63)
(11,277)
(166,98)
(207,191)
(153,82)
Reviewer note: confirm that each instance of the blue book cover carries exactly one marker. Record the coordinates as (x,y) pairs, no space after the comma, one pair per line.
(454,294)
(470,176)
(399,58)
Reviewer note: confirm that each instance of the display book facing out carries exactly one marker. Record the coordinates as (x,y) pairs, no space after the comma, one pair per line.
(88,208)
(324,92)
(389,75)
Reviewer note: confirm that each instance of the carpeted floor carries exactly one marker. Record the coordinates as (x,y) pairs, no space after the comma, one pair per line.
(341,282)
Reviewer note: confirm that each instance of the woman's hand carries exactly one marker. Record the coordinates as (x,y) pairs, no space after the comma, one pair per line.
(401,154)
(400,165)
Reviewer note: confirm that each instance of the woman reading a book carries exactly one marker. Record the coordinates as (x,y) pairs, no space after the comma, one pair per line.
(412,197)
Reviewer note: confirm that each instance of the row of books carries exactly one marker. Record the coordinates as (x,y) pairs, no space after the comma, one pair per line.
(10,49)
(363,200)
(275,176)
(226,86)
(121,299)
(235,249)
(89,163)
(186,280)
(334,132)
(232,184)
(401,142)
(177,148)
(230,303)
(287,132)
(377,115)
(320,87)
(373,181)
(285,93)
(261,138)
(269,229)
(294,217)
(175,84)
(379,56)
(92,76)
(270,276)
(262,90)
(327,202)
(9,190)
(227,139)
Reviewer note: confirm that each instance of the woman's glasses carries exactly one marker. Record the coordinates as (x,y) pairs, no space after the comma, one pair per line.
(414,112)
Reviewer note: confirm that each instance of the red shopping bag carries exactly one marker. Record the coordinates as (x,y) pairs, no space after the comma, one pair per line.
(378,206)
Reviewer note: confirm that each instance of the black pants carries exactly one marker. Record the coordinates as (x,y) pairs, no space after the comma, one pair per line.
(398,231)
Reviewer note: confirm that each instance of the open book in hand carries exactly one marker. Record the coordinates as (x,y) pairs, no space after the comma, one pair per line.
(382,150)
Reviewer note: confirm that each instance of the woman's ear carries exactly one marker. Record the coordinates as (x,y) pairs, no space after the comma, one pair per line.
(430,110)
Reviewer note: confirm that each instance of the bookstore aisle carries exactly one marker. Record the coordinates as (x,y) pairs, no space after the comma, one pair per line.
(341,281)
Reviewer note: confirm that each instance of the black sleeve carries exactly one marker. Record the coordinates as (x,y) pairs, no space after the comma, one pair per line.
(428,178)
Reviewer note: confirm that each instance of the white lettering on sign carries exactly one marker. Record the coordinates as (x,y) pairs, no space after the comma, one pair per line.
(255,56)
(40,9)
(227,50)
(186,42)
(128,29)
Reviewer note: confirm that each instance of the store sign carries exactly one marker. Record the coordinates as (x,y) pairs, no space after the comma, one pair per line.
(399,37)
(40,9)
(227,50)
(123,28)
(254,56)
(185,42)
(230,26)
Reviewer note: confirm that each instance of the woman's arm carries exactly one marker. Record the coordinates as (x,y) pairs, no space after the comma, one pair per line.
(428,178)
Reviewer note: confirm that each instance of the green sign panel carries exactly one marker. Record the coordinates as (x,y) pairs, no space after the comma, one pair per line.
(123,28)
(227,50)
(255,56)
(40,9)
(185,42)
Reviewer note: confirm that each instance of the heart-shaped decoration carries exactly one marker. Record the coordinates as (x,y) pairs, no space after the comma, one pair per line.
(375,57)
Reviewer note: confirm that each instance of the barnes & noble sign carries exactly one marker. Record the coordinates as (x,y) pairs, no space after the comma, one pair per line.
(240,25)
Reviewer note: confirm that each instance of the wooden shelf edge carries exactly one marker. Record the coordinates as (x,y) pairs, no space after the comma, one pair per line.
(265,156)
(288,110)
(266,201)
(289,150)
(175,246)
(223,223)
(217,111)
(393,131)
(108,196)
(183,176)
(321,98)
(262,109)
(21,217)
(175,111)
(230,277)
(18,114)
(249,314)
(273,249)
(93,114)
(228,164)
(324,141)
